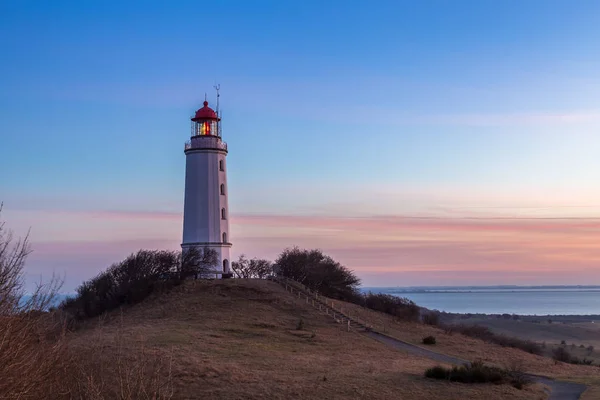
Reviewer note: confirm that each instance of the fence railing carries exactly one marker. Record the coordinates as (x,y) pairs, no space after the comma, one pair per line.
(206,142)
(326,305)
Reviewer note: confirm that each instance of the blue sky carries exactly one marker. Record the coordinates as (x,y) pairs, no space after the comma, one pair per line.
(338,109)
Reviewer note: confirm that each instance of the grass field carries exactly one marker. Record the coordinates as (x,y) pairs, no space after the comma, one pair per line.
(575,334)
(240,339)
(470,348)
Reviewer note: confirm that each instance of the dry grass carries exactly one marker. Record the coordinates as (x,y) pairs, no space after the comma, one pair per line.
(470,348)
(113,370)
(36,362)
(574,333)
(238,339)
(593,393)
(31,352)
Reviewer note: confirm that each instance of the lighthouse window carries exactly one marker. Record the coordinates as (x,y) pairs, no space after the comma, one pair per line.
(222,189)
(223,216)
(221,165)
(224,237)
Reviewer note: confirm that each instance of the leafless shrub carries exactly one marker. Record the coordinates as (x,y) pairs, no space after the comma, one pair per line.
(561,354)
(516,371)
(196,263)
(590,349)
(31,341)
(254,268)
(30,357)
(431,318)
(35,359)
(13,254)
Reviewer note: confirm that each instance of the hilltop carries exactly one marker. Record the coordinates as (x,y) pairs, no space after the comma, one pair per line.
(233,339)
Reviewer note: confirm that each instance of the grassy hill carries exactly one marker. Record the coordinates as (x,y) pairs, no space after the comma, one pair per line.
(578,334)
(242,339)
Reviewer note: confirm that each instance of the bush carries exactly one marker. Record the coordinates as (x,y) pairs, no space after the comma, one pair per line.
(300,325)
(483,333)
(429,340)
(448,329)
(518,378)
(577,361)
(400,307)
(437,372)
(319,273)
(135,278)
(254,268)
(477,372)
(561,354)
(431,318)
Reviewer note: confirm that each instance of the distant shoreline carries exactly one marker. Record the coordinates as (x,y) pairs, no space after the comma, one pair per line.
(565,318)
(451,289)
(544,301)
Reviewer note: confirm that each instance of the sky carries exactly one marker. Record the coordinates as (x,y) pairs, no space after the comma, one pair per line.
(418,143)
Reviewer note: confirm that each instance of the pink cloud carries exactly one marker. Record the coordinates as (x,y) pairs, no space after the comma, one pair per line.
(416,251)
(387,223)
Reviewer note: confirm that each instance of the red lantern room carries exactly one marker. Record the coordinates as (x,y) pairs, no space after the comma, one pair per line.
(205,122)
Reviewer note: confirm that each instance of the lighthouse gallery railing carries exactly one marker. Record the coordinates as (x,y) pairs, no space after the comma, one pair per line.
(206,142)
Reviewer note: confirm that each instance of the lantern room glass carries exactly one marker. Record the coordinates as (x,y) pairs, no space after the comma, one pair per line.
(206,128)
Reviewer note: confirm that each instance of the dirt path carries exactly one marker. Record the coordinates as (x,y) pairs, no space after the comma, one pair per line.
(560,390)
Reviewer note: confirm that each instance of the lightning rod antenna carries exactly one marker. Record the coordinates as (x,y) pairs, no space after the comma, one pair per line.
(217,88)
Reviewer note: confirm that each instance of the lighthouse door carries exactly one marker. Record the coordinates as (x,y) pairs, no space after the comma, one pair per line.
(225,266)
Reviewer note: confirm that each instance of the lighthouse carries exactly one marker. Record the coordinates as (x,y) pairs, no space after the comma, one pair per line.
(206,208)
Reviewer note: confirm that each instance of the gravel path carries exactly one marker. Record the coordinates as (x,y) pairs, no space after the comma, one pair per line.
(560,390)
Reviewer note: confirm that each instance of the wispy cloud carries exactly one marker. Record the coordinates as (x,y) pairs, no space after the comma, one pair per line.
(521,119)
(414,250)
(338,103)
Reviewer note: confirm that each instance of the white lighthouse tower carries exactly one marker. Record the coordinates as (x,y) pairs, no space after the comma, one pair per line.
(206,208)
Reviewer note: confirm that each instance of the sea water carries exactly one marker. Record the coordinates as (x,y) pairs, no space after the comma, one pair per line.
(543,300)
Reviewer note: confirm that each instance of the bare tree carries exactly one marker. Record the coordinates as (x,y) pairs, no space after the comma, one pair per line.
(31,345)
(12,260)
(13,254)
(198,263)
(254,268)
